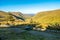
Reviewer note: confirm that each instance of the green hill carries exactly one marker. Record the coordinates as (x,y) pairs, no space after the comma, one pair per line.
(4,16)
(47,17)
(17,15)
(9,16)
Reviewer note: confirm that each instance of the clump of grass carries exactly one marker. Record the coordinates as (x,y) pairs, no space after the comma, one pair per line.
(55,26)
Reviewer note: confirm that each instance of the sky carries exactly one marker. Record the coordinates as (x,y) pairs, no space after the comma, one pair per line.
(29,6)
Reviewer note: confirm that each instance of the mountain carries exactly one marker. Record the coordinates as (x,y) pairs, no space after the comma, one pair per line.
(27,16)
(47,17)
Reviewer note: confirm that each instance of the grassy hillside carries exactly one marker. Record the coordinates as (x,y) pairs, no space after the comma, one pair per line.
(48,17)
(17,15)
(4,16)
(13,18)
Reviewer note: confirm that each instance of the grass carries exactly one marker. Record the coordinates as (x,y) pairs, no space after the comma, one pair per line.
(9,35)
(48,17)
(5,34)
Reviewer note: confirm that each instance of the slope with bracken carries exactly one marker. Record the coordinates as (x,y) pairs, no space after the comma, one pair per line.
(10,19)
(17,15)
(48,17)
(4,16)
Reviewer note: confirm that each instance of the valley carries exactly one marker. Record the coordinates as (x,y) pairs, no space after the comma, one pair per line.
(41,26)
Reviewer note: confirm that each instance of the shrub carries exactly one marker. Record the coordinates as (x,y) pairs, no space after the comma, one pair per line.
(55,26)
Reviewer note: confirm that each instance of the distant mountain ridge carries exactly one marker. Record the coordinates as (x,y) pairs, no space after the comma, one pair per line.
(28,15)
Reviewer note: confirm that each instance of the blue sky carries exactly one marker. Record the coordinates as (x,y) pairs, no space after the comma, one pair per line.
(29,6)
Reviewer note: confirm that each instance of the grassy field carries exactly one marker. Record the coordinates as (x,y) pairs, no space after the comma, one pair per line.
(7,34)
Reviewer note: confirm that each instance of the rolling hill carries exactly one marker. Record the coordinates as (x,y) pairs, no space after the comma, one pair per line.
(47,17)
(4,16)
(11,15)
(11,18)
(17,15)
